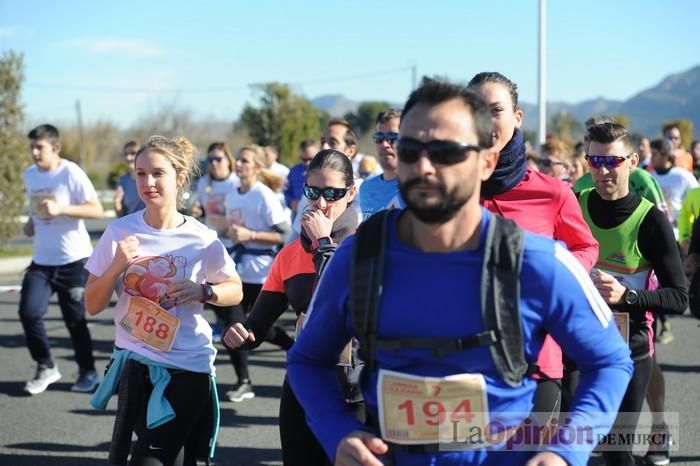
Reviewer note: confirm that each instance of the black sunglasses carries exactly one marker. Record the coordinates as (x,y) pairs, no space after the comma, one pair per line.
(214,159)
(409,150)
(610,161)
(380,137)
(329,194)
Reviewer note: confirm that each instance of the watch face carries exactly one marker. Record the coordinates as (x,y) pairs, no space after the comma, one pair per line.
(631,297)
(325,241)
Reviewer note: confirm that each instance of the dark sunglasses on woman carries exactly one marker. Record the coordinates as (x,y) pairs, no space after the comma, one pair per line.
(329,194)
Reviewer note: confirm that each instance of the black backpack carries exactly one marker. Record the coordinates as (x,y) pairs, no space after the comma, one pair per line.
(500,298)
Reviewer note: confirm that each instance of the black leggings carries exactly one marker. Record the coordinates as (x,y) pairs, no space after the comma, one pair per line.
(237,314)
(174,443)
(547,399)
(299,444)
(631,406)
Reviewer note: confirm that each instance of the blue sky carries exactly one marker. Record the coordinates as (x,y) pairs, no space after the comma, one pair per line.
(124,59)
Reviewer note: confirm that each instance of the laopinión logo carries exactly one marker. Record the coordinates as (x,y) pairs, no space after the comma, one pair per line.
(575,431)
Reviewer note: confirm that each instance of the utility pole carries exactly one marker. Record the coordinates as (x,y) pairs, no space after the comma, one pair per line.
(80,133)
(542,75)
(414,77)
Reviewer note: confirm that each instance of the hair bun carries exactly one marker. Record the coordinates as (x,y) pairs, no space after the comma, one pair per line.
(185,146)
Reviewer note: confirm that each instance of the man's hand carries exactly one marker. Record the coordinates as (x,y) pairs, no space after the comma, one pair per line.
(609,288)
(359,448)
(28,228)
(546,458)
(237,335)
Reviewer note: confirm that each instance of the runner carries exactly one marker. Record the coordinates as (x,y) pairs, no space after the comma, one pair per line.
(126,196)
(537,203)
(258,226)
(60,197)
(210,207)
(330,189)
(635,240)
(382,191)
(432,270)
(161,262)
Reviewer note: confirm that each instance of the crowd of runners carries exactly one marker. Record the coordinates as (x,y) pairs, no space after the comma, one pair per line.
(459,281)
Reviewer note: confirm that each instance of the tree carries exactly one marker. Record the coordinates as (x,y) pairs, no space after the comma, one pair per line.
(564,126)
(686,129)
(622,119)
(13,150)
(362,120)
(282,119)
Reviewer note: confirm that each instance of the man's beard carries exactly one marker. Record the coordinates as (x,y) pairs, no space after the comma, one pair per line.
(440,213)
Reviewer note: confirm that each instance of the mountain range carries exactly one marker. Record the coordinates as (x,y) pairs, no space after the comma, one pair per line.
(677,96)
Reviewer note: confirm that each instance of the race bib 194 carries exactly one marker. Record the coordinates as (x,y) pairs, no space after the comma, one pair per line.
(415,410)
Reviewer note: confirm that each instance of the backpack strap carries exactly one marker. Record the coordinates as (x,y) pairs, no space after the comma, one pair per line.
(500,297)
(367,273)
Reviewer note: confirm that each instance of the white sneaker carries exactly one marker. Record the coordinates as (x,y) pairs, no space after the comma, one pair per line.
(44,377)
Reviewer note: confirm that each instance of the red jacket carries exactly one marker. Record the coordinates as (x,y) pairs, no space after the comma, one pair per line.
(546,206)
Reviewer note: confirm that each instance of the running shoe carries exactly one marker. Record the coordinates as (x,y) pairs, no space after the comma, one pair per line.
(87,382)
(659,453)
(243,391)
(44,377)
(665,336)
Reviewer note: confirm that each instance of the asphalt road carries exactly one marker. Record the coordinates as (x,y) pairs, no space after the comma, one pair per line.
(59,428)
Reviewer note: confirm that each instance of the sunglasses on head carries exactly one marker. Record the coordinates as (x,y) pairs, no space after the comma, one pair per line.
(409,150)
(329,194)
(214,159)
(380,137)
(609,161)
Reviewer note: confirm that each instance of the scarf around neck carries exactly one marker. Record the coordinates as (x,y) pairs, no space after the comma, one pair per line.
(510,169)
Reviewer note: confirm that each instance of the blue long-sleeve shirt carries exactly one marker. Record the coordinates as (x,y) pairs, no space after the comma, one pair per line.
(437,295)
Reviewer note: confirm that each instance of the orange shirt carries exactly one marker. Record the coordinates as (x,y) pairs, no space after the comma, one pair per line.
(683,159)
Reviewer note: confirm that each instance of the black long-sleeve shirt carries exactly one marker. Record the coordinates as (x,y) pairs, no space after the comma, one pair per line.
(657,244)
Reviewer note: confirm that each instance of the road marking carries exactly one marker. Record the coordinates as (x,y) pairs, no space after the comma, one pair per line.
(10,289)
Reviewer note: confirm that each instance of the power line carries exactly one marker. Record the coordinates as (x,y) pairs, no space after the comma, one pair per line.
(203,90)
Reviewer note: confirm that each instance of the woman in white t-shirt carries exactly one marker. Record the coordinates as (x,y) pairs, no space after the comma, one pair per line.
(210,207)
(212,189)
(259,226)
(163,266)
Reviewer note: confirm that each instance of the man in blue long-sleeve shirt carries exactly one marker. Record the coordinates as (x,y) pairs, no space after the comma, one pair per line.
(431,289)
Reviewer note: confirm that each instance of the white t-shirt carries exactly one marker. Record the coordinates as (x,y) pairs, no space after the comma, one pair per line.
(59,240)
(211,194)
(258,209)
(675,185)
(189,251)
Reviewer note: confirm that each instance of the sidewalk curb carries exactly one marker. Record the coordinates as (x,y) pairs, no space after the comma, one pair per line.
(14,265)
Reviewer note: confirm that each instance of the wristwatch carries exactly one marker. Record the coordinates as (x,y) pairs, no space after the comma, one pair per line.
(630,297)
(207,293)
(324,241)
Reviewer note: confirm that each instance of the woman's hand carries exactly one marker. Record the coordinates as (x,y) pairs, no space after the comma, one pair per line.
(316,225)
(127,249)
(237,335)
(239,234)
(183,291)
